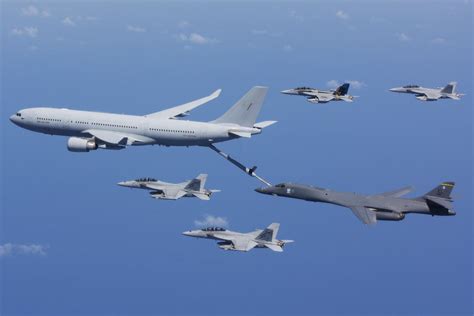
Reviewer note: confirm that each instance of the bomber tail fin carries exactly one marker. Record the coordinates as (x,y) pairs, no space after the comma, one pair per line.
(450,88)
(439,199)
(442,191)
(246,110)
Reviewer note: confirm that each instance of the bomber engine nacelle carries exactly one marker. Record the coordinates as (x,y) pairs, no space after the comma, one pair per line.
(77,144)
(386,216)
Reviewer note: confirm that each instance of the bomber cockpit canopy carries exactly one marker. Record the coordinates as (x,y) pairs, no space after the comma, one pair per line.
(213,229)
(411,86)
(146,180)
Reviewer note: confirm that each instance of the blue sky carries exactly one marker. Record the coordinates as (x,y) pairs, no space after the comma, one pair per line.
(74,243)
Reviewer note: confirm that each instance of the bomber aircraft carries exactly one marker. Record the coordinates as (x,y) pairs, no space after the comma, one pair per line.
(172,191)
(322,96)
(387,206)
(242,241)
(431,94)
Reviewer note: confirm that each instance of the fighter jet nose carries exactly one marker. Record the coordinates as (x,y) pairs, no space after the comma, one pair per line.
(286,91)
(187,233)
(122,184)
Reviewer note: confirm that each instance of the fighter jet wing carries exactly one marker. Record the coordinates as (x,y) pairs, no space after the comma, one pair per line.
(431,95)
(321,98)
(117,138)
(240,243)
(397,193)
(169,194)
(364,214)
(244,244)
(182,110)
(274,247)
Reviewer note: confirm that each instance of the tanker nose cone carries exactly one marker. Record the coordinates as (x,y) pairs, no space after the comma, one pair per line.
(13,119)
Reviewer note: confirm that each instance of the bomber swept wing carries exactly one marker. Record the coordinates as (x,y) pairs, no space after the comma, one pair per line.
(366,215)
(397,193)
(183,110)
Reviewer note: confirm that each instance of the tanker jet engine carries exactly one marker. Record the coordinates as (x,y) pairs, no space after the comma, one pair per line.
(92,130)
(431,94)
(172,191)
(387,206)
(322,96)
(242,241)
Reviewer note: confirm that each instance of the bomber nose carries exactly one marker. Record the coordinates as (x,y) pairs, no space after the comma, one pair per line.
(261,190)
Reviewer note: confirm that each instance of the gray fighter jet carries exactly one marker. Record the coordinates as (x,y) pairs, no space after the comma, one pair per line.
(172,191)
(431,94)
(387,206)
(322,96)
(242,241)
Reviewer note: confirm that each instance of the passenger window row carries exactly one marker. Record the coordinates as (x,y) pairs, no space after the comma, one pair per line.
(114,125)
(47,119)
(171,130)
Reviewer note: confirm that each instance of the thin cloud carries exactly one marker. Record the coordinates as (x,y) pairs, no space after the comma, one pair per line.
(31,10)
(10,249)
(68,21)
(210,220)
(438,40)
(259,32)
(25,31)
(136,29)
(296,16)
(195,38)
(356,84)
(183,24)
(288,48)
(402,37)
(342,15)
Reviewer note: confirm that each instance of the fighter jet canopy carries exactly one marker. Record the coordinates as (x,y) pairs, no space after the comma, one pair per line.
(411,86)
(213,229)
(146,180)
(303,88)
